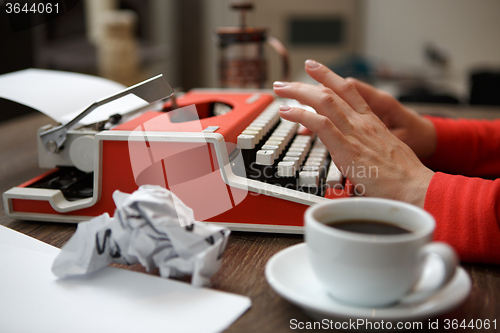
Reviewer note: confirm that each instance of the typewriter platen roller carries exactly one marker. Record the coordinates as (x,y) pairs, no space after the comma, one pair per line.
(210,151)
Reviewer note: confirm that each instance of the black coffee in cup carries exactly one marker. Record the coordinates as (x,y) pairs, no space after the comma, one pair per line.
(366,226)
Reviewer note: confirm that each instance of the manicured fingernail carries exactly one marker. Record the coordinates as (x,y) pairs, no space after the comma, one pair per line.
(280,84)
(312,64)
(285,108)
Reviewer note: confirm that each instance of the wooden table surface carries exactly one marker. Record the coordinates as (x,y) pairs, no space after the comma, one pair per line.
(244,261)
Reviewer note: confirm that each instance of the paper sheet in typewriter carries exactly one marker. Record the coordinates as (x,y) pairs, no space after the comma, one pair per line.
(63,95)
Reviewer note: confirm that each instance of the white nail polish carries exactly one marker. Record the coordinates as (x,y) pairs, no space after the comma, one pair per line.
(312,64)
(280,84)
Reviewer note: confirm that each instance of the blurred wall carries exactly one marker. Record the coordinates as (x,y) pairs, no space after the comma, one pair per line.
(164,27)
(396,32)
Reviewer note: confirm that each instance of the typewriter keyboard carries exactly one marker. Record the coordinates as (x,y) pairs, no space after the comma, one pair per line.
(275,153)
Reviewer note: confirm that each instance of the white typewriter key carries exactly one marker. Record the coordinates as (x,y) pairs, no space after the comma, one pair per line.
(334,178)
(280,129)
(275,118)
(295,160)
(258,123)
(289,124)
(297,154)
(315,159)
(313,163)
(285,125)
(318,144)
(265,157)
(309,168)
(272,114)
(319,148)
(246,141)
(250,132)
(286,169)
(287,135)
(322,151)
(309,178)
(304,146)
(258,129)
(272,148)
(254,128)
(268,117)
(294,152)
(284,129)
(299,149)
(284,121)
(302,152)
(287,128)
(272,108)
(303,138)
(278,138)
(265,126)
(275,143)
(299,145)
(255,135)
(274,137)
(317,155)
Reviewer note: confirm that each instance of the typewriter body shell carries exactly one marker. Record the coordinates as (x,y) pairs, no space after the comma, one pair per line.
(194,159)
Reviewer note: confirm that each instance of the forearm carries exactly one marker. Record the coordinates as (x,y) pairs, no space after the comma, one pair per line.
(466,212)
(468,147)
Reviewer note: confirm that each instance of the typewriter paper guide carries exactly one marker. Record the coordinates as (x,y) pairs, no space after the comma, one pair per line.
(63,95)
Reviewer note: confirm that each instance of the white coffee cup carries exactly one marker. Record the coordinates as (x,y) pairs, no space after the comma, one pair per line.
(372,270)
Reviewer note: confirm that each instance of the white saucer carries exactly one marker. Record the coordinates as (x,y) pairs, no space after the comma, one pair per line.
(290,274)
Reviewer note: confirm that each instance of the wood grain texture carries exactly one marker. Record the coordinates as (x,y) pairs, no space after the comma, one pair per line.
(243,263)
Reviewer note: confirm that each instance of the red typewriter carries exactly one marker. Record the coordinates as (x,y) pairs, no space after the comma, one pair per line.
(225,153)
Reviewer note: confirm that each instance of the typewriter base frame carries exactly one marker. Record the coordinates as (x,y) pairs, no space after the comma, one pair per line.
(24,202)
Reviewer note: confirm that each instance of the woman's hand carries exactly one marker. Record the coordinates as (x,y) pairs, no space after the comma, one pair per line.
(407,125)
(360,144)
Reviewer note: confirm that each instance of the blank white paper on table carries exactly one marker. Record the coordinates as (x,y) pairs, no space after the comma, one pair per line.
(32,299)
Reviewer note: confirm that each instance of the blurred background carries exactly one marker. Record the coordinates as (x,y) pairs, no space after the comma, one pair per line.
(424,51)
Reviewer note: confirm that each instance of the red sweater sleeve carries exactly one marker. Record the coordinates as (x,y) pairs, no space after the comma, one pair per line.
(467,210)
(467,147)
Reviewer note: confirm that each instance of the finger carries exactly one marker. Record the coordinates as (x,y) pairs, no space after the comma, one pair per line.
(312,95)
(304,130)
(323,100)
(328,133)
(378,100)
(340,86)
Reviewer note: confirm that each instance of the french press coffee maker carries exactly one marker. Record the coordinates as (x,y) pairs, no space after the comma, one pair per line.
(242,61)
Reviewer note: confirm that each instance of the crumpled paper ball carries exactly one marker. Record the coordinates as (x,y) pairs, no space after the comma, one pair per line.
(151,226)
